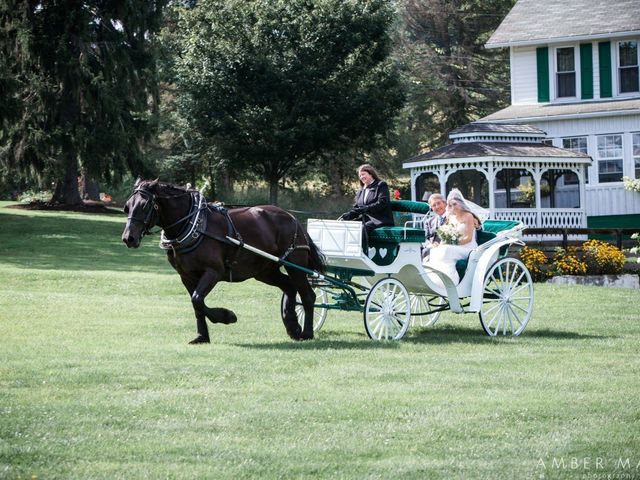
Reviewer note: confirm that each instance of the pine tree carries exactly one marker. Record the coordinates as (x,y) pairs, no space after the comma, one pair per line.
(454,79)
(79,88)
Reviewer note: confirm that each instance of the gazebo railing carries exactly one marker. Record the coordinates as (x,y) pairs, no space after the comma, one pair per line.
(544,218)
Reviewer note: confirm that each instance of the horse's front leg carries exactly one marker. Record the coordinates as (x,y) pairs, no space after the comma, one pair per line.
(216,315)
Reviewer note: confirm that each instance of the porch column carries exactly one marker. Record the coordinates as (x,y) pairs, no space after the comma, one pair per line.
(491,178)
(414,187)
(583,195)
(537,178)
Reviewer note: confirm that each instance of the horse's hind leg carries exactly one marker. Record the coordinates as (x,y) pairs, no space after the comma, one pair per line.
(307,297)
(289,317)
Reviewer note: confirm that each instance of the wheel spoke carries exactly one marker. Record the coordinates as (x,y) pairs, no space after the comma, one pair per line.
(488,310)
(517,282)
(515,316)
(519,307)
(508,312)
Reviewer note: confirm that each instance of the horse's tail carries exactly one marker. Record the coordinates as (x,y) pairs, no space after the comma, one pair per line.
(317,259)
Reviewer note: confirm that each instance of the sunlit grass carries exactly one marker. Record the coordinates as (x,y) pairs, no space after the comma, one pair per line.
(97,379)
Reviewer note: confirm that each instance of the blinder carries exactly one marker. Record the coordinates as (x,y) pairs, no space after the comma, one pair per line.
(149,212)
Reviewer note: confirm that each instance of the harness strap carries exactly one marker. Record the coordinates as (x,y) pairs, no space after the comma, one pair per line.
(232,232)
(293,247)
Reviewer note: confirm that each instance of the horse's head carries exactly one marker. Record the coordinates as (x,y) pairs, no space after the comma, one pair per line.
(142,212)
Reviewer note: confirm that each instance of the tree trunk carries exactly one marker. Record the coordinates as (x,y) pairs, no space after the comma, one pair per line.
(336,189)
(273,191)
(90,189)
(67,191)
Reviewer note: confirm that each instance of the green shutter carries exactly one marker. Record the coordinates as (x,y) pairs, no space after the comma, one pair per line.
(542,60)
(586,70)
(604,55)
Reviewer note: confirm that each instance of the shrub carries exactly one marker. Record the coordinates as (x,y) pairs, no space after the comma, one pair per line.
(632,184)
(35,196)
(566,262)
(536,262)
(636,250)
(602,258)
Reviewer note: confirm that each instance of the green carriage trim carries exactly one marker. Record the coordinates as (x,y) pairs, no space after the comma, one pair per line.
(495,226)
(488,232)
(384,242)
(397,235)
(409,206)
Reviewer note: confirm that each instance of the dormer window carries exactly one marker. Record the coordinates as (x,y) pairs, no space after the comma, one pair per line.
(628,66)
(565,72)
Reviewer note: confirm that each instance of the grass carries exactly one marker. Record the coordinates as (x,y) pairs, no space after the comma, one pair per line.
(97,380)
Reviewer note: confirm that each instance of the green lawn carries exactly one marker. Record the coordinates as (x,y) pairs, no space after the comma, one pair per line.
(97,380)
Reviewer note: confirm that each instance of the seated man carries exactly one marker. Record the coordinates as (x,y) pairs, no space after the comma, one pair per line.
(438,206)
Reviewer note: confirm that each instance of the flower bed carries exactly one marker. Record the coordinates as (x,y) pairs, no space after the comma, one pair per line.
(593,263)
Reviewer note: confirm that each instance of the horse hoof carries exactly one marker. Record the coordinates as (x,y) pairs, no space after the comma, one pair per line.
(304,336)
(199,339)
(231,318)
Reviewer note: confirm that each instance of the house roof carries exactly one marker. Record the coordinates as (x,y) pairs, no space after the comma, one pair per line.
(564,110)
(515,128)
(496,149)
(533,22)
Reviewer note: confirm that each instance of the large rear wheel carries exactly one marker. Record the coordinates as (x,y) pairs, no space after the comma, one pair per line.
(387,310)
(507,298)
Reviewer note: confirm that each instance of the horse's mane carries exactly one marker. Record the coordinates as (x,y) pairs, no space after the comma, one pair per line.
(161,188)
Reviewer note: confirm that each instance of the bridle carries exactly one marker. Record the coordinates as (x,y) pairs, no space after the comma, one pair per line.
(150,211)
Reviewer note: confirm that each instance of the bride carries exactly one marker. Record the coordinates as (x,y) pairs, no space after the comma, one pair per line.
(461,226)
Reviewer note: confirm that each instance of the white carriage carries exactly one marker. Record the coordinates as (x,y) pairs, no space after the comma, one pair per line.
(388,283)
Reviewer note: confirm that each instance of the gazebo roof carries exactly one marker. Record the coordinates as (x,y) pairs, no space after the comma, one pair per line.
(474,150)
(485,127)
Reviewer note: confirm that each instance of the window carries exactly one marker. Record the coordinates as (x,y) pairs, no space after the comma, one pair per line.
(610,158)
(565,72)
(548,141)
(628,68)
(636,153)
(576,144)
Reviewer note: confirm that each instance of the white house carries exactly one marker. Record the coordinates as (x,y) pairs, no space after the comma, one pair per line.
(575,76)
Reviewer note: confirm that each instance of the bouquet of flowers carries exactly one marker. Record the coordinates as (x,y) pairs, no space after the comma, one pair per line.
(450,233)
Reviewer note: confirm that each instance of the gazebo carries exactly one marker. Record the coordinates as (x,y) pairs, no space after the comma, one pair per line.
(510,170)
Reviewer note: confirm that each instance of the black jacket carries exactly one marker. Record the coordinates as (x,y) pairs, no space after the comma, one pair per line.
(376,210)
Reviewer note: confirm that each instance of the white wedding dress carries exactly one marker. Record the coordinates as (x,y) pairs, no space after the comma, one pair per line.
(444,258)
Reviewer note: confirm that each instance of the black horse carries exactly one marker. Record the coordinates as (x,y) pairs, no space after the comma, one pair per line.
(195,237)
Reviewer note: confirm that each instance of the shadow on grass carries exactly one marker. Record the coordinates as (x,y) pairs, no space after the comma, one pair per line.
(58,242)
(323,341)
(443,335)
(458,334)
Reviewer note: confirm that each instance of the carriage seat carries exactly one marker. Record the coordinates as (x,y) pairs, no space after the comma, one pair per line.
(489,231)
(384,242)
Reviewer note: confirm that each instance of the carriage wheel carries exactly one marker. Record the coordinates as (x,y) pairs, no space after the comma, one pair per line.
(387,310)
(319,314)
(420,304)
(507,298)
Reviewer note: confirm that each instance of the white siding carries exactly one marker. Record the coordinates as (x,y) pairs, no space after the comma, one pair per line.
(524,78)
(605,198)
(611,200)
